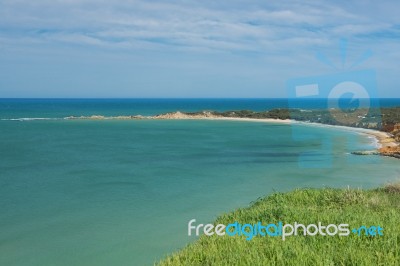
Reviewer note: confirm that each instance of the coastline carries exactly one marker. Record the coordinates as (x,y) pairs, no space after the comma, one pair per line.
(386,144)
(384,139)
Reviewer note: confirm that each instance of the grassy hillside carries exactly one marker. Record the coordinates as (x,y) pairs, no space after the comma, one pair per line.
(355,207)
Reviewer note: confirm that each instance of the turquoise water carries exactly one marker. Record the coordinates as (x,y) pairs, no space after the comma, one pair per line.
(121,192)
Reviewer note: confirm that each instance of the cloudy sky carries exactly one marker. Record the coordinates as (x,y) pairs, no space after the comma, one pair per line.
(137,48)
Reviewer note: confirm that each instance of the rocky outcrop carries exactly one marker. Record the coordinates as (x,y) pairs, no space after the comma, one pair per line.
(365,153)
(392,147)
(392,151)
(180,115)
(396,132)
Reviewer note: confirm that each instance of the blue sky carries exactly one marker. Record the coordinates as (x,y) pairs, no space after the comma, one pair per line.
(126,48)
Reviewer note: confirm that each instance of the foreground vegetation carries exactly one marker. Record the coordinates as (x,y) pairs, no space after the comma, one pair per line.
(353,206)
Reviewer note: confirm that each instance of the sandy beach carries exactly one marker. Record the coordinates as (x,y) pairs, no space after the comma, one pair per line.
(384,139)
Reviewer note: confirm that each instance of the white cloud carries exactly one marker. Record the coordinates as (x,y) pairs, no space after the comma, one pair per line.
(174,24)
(258,39)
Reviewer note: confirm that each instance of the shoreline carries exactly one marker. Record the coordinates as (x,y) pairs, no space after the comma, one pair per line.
(386,144)
(383,139)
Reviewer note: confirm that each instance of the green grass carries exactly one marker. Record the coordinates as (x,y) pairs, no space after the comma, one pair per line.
(353,206)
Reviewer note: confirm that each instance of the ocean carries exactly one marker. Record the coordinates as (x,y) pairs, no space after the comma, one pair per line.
(121,192)
(60,108)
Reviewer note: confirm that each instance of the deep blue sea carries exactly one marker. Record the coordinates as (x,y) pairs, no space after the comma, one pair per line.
(59,108)
(121,192)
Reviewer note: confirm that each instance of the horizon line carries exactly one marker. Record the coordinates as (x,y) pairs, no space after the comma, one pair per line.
(180,98)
